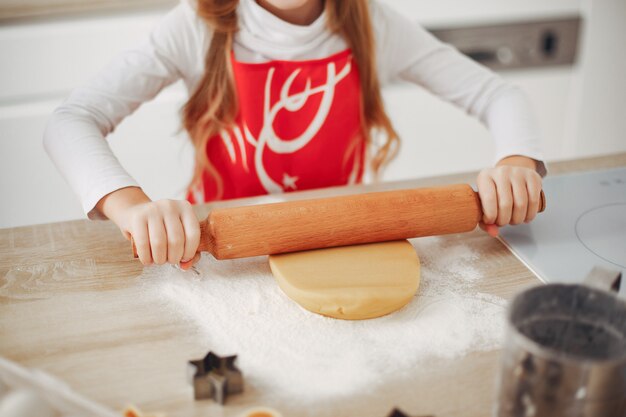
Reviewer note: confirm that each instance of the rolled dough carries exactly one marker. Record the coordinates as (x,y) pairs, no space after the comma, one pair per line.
(350,282)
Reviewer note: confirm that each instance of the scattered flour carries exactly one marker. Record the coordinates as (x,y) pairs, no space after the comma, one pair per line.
(289,352)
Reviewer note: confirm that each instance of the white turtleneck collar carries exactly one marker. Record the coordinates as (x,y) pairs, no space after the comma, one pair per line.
(265,37)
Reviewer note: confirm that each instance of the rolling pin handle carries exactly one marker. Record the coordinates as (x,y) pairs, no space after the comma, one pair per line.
(206,240)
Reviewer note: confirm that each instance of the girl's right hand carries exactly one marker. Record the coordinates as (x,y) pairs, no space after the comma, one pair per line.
(163,230)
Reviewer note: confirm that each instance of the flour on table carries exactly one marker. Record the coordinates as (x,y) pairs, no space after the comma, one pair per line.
(285,351)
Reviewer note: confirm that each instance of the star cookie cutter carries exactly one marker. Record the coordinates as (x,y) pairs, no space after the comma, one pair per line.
(215,377)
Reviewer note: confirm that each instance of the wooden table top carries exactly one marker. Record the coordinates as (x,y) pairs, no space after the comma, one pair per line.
(70,305)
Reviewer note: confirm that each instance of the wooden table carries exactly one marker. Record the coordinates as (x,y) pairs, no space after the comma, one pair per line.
(70,304)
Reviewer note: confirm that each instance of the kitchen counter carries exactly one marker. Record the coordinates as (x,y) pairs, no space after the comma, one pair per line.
(70,304)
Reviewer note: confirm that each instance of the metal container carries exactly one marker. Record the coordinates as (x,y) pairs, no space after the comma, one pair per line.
(565,351)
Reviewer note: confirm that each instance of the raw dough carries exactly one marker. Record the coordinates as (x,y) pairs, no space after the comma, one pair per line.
(350,282)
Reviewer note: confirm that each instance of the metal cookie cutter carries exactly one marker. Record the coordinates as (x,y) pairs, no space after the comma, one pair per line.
(215,377)
(565,350)
(192,269)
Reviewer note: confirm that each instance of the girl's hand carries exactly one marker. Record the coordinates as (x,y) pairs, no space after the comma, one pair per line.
(510,193)
(163,231)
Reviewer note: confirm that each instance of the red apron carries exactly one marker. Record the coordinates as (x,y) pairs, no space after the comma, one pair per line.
(298,127)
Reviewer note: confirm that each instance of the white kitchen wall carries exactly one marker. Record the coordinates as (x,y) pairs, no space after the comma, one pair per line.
(437,138)
(598,124)
(42,62)
(581,109)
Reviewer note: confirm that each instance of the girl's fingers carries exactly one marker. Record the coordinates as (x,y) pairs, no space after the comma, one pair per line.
(142,241)
(488,198)
(491,229)
(509,195)
(158,239)
(186,265)
(505,200)
(534,197)
(520,200)
(191,228)
(163,231)
(175,237)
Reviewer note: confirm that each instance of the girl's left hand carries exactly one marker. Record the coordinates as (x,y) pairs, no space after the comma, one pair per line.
(510,193)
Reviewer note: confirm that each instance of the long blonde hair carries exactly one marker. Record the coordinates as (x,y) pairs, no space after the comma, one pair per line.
(213,106)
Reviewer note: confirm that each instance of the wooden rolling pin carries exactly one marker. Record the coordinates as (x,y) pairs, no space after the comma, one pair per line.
(338,221)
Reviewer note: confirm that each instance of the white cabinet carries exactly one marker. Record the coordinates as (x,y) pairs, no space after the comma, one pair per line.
(41,63)
(31,188)
(48,59)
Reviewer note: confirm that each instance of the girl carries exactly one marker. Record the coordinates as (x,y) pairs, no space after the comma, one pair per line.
(284,95)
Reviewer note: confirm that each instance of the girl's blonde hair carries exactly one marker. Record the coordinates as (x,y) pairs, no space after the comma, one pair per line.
(213,106)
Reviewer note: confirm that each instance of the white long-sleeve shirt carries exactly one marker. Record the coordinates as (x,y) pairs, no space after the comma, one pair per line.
(176,49)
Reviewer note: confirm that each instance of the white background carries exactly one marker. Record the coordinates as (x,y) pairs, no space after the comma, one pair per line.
(582,109)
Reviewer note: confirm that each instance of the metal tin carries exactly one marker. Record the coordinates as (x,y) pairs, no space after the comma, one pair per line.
(565,351)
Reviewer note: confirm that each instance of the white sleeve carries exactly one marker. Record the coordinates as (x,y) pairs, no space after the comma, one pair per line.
(407,51)
(74,136)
